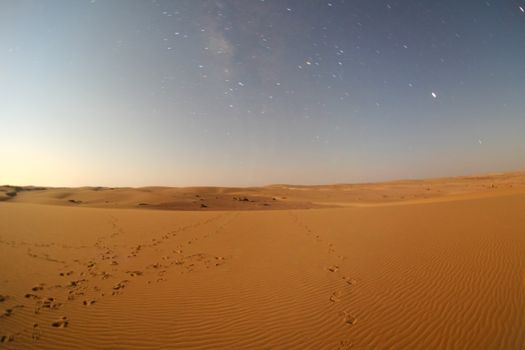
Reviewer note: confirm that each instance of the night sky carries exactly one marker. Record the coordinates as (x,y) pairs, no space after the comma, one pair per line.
(253,92)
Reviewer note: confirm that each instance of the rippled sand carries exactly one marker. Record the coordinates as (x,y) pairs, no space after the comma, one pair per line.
(437,264)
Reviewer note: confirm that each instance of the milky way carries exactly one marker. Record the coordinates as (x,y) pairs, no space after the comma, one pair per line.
(256,92)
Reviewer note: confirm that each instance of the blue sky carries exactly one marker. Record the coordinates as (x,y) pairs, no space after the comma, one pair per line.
(134,93)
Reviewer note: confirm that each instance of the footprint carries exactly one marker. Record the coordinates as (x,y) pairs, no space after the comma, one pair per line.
(349,319)
(50,303)
(7,338)
(134,273)
(335,297)
(120,285)
(333,268)
(62,322)
(73,284)
(345,345)
(7,312)
(72,294)
(36,332)
(31,296)
(349,280)
(38,287)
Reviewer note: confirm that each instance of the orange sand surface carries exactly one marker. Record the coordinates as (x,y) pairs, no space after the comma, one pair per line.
(430,264)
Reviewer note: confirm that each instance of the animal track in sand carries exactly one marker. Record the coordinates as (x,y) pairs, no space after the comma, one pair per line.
(44,256)
(178,262)
(72,294)
(345,345)
(220,260)
(62,322)
(89,302)
(38,287)
(31,296)
(333,268)
(349,281)
(76,289)
(135,273)
(73,284)
(349,319)
(88,269)
(47,303)
(35,335)
(7,338)
(335,297)
(135,251)
(119,286)
(56,286)
(9,311)
(154,266)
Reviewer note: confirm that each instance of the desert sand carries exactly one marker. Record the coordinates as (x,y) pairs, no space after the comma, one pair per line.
(427,264)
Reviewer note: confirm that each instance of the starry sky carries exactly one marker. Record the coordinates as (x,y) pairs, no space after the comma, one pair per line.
(256,92)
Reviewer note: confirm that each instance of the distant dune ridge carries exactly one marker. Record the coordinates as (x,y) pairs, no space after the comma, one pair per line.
(427,264)
(268,197)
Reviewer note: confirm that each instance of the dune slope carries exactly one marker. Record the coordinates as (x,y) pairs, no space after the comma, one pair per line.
(432,275)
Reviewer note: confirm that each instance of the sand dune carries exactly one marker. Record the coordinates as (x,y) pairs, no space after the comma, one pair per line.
(269,197)
(434,264)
